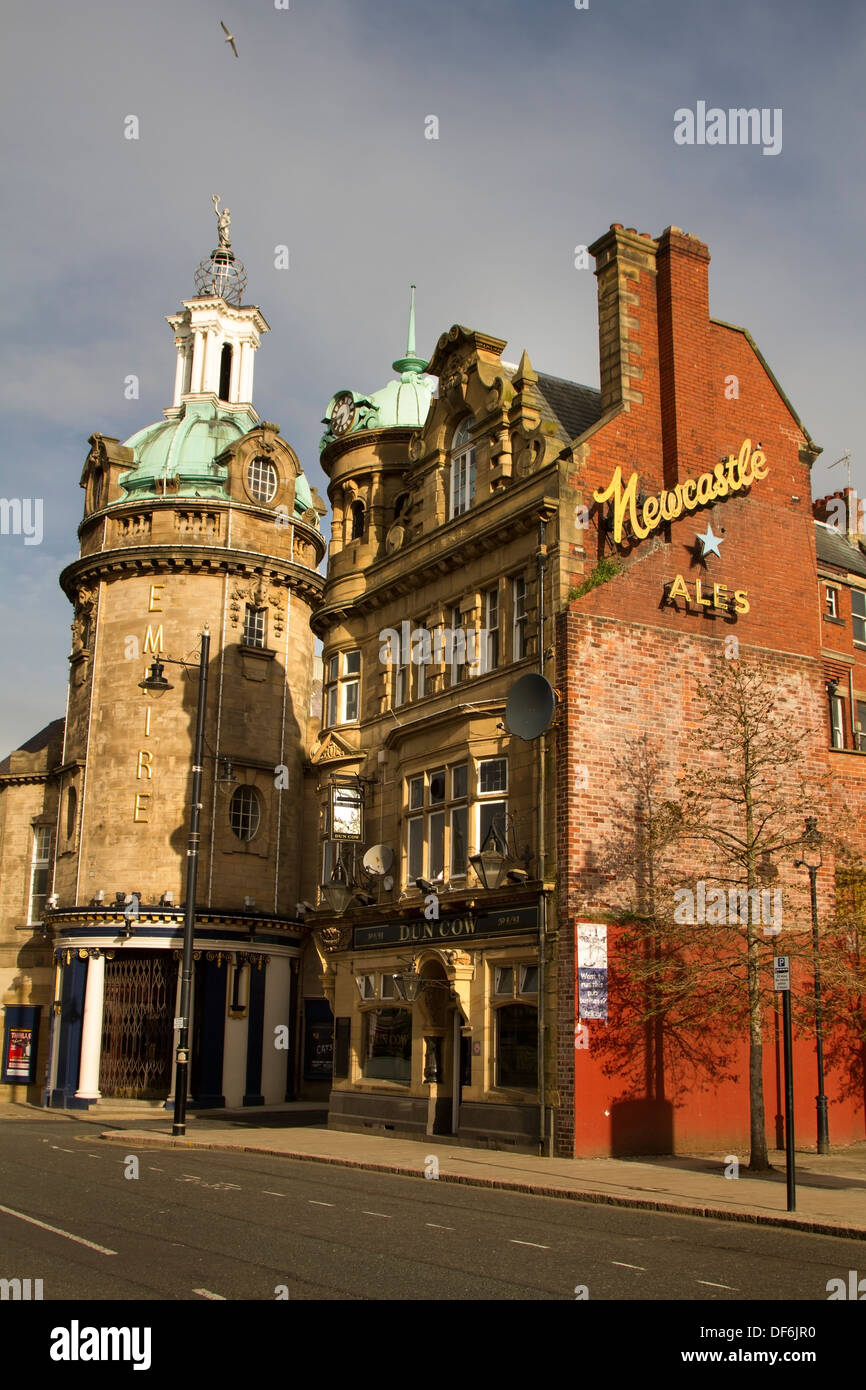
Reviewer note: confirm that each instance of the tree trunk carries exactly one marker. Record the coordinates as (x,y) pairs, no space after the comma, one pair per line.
(758,1159)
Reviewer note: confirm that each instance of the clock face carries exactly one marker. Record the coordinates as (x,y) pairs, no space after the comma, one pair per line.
(343,413)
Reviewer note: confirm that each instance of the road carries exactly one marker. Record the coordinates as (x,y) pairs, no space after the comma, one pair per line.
(209,1226)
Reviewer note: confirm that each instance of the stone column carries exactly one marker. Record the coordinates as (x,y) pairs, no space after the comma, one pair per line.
(197,355)
(179,370)
(91,1032)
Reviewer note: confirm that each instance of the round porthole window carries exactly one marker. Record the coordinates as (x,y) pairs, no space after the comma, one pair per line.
(262,480)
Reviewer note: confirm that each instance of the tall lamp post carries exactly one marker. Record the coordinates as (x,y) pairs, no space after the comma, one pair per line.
(812,860)
(156,682)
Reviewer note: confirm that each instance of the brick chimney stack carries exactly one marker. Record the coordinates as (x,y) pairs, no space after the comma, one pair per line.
(627,328)
(688,388)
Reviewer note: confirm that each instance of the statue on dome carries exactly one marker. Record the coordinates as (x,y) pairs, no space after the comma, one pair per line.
(224,223)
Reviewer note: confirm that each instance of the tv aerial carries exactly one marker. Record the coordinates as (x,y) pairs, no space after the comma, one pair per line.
(530,706)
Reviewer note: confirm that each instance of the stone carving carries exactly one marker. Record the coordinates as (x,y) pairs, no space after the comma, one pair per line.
(335,938)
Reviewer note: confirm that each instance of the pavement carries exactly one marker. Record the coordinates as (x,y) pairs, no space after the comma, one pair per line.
(830,1196)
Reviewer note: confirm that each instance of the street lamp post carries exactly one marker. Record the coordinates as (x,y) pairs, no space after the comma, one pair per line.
(156,681)
(812,860)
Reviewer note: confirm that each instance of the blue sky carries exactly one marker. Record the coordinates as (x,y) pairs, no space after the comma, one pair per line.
(553,123)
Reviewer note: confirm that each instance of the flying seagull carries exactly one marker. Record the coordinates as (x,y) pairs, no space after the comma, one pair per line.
(230,38)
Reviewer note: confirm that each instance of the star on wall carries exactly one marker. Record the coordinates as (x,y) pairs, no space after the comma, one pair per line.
(710,542)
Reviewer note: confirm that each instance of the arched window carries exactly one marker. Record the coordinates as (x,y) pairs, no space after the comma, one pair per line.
(462,482)
(245,812)
(225,371)
(359,518)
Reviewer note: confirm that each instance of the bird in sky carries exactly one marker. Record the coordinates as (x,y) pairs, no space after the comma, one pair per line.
(230,38)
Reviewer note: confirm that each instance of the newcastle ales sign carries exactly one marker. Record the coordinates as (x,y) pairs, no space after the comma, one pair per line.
(731,476)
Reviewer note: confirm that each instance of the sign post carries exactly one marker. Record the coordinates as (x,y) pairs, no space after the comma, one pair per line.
(782,983)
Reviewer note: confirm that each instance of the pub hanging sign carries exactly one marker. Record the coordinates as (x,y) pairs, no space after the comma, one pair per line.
(346,811)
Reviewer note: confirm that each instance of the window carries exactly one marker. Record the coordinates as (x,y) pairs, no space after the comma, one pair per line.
(861,726)
(462,471)
(389,989)
(262,480)
(517,1046)
(71,812)
(386,1053)
(831,602)
(39,872)
(366,986)
(503,979)
(401,684)
(226,374)
(359,517)
(837,727)
(245,812)
(459,652)
(436,826)
(518,603)
(492,809)
(342,688)
(490,654)
(254,626)
(858,616)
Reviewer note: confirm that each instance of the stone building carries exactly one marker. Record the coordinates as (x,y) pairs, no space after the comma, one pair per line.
(611,541)
(202,520)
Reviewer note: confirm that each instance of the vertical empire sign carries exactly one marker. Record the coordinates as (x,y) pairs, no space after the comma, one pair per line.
(591,957)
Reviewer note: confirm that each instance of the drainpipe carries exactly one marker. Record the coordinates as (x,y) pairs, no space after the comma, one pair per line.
(544,1138)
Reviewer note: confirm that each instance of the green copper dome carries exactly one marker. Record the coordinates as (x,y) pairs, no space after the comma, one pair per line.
(402,404)
(185,447)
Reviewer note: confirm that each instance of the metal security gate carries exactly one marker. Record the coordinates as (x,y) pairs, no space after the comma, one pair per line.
(138,1025)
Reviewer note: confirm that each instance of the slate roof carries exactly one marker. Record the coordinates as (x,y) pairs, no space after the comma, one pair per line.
(835,549)
(52,733)
(576,407)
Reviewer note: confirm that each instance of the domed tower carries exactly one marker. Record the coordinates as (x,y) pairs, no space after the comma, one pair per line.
(203,519)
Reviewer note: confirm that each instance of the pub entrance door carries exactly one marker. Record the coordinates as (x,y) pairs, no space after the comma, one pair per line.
(138,1025)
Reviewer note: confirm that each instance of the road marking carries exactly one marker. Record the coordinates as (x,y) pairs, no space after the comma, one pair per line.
(58,1149)
(272,1194)
(623,1265)
(56,1230)
(320,1204)
(433,1226)
(383,1214)
(529,1242)
(206,1293)
(94,1155)
(711,1285)
(149,1169)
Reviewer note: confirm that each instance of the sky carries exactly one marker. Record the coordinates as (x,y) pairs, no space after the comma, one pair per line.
(553,123)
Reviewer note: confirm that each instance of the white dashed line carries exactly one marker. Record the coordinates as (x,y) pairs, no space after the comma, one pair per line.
(384,1215)
(623,1265)
(206,1293)
(94,1155)
(433,1226)
(58,1149)
(534,1245)
(149,1169)
(56,1230)
(710,1285)
(320,1204)
(272,1194)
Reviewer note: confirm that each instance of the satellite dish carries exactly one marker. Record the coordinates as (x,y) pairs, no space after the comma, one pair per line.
(530,706)
(310,517)
(378,859)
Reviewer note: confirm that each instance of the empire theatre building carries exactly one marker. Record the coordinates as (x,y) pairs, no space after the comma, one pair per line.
(490,522)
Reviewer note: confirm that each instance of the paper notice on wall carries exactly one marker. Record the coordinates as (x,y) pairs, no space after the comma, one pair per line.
(591,955)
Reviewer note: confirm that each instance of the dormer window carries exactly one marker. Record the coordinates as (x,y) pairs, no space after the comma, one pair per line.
(462,483)
(262,480)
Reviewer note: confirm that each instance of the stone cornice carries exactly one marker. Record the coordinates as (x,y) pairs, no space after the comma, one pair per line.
(23,779)
(198,559)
